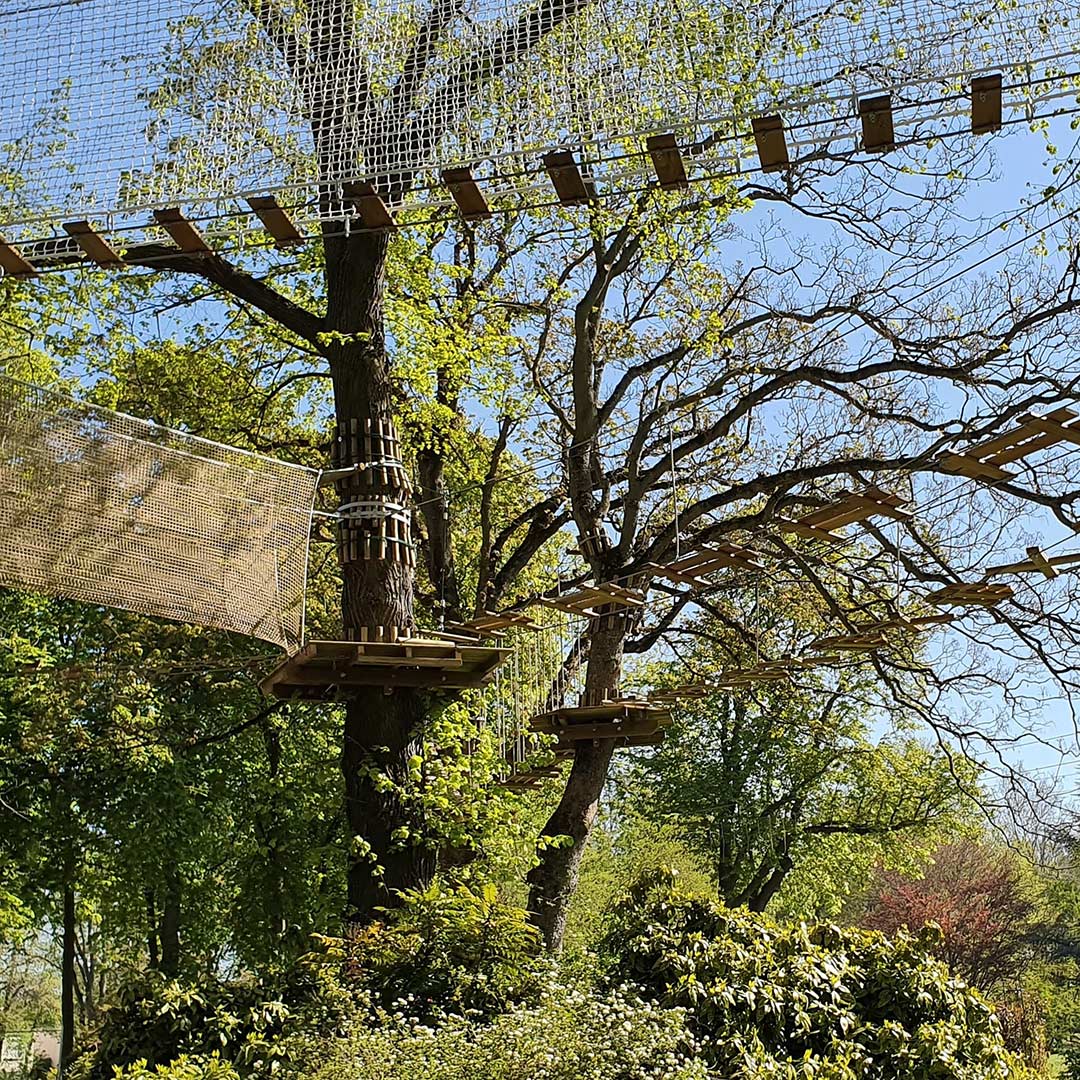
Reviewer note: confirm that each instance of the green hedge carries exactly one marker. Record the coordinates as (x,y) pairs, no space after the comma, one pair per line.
(774,1001)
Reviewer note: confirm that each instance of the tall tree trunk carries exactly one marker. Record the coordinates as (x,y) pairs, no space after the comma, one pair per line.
(383,726)
(67,979)
(553,881)
(169,930)
(151,930)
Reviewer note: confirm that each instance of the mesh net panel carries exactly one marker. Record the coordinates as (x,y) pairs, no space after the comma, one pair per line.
(108,509)
(109,107)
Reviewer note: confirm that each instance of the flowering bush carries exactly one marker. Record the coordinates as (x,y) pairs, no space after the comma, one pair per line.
(787,1002)
(570,1034)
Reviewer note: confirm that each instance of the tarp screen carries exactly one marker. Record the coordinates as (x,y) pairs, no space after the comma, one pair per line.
(105,508)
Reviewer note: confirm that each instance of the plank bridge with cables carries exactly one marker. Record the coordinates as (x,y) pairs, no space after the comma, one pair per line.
(184,128)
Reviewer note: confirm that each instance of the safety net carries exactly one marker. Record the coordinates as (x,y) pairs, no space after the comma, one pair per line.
(111,107)
(105,508)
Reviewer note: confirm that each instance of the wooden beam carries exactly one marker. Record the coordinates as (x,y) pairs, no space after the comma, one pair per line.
(12,262)
(667,162)
(93,243)
(467,194)
(1049,425)
(771,144)
(1041,563)
(369,206)
(185,235)
(276,221)
(877,123)
(570,186)
(985,104)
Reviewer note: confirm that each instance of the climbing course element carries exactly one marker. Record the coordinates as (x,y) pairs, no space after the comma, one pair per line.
(1032,433)
(852,642)
(971,594)
(1036,563)
(606,720)
(693,569)
(360,114)
(687,692)
(494,623)
(108,509)
(595,601)
(849,508)
(373,518)
(333,670)
(868,636)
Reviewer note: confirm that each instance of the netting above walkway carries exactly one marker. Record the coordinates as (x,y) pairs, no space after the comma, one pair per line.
(104,508)
(111,107)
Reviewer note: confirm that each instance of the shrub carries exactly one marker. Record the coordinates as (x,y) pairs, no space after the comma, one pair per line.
(570,1034)
(797,1002)
(213,1030)
(455,951)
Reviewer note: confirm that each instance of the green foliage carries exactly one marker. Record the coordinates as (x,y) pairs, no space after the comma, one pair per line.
(213,1029)
(769,1000)
(788,794)
(185,1067)
(571,1034)
(446,951)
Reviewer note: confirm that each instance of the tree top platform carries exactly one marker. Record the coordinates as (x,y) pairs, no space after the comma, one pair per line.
(329,670)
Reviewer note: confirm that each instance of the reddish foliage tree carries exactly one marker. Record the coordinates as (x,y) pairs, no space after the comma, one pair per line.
(979,899)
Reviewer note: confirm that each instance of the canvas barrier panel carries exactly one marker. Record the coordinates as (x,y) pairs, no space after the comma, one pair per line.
(108,509)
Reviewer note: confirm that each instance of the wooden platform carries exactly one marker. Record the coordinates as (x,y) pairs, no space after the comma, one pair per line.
(849,508)
(565,750)
(693,569)
(610,720)
(329,670)
(986,460)
(971,594)
(589,601)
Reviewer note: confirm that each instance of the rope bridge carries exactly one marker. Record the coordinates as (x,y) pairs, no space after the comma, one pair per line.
(112,108)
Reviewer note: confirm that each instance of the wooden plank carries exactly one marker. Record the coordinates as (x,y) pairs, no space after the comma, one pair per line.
(972,468)
(276,221)
(570,186)
(1029,566)
(1051,427)
(186,237)
(12,262)
(369,206)
(667,162)
(600,730)
(1041,563)
(93,243)
(985,104)
(877,123)
(809,531)
(467,194)
(979,594)
(771,143)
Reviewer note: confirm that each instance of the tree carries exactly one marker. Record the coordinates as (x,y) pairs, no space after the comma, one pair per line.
(982,901)
(758,782)
(694,387)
